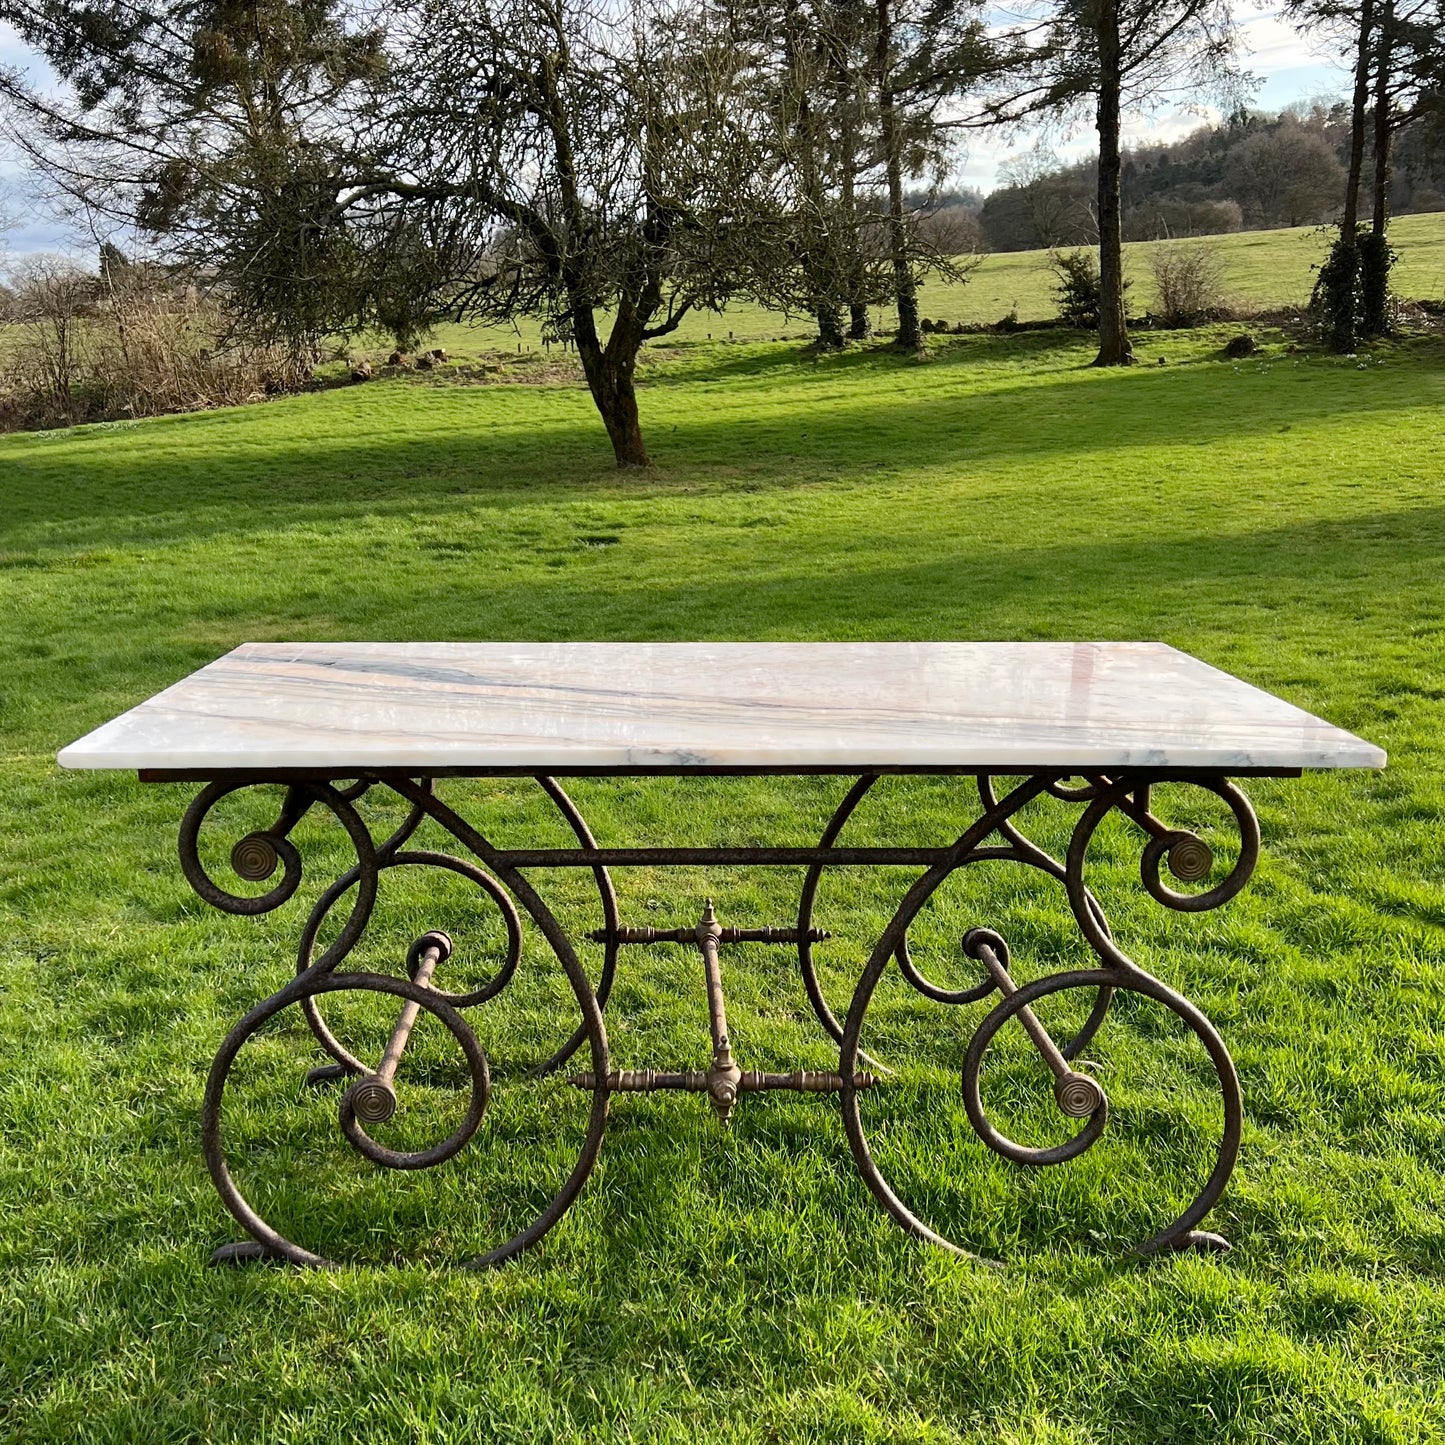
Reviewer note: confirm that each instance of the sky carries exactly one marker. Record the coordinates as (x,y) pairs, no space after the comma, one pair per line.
(1289,66)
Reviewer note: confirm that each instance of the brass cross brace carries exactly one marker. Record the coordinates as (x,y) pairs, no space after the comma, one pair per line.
(724,1080)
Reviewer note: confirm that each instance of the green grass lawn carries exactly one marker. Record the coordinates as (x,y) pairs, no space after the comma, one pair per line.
(1262,269)
(1267,269)
(1281,518)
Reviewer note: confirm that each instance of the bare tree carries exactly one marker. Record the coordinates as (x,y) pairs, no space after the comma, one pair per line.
(1058,212)
(1285,176)
(479,159)
(952,231)
(553,158)
(52,299)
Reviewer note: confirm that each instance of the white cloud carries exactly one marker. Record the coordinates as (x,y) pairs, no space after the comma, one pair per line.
(1268,42)
(1290,65)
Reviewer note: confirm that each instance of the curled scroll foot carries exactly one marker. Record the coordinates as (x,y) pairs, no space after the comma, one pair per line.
(244,1251)
(1202,1241)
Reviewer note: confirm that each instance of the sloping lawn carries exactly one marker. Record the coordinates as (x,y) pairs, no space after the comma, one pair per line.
(1265,270)
(1282,518)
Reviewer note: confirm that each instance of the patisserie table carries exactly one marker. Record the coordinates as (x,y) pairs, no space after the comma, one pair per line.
(1095,725)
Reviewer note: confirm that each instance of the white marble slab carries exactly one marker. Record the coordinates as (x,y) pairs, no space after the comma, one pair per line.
(553,706)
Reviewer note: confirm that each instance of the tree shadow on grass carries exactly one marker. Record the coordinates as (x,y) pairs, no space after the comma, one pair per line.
(969,592)
(143,489)
(762,362)
(1326,573)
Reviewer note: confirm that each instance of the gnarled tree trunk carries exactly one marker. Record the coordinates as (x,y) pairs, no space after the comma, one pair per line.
(610,373)
(829,316)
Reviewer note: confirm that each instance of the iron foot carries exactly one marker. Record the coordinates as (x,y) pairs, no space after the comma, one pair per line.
(1203,1241)
(244,1251)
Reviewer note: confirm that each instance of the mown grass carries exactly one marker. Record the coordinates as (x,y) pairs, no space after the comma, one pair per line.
(1281,518)
(1265,270)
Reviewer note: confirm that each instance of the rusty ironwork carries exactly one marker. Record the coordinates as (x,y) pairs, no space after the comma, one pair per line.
(1077,1094)
(370,1092)
(725,935)
(699,1081)
(723,1080)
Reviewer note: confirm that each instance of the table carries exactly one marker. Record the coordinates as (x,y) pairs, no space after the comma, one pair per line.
(1094,725)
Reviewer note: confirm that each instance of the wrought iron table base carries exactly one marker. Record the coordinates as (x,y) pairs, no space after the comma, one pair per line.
(723,1081)
(369,1097)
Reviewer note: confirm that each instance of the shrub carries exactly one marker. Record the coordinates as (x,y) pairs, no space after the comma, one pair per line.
(1189,280)
(1335,303)
(133,341)
(49,306)
(1077,287)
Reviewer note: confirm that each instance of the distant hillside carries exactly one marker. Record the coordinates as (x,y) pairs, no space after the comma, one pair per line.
(1254,171)
(1265,269)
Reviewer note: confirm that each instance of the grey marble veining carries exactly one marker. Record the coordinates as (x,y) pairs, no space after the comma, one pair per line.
(1000,705)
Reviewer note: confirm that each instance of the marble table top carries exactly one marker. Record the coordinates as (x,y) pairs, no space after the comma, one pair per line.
(554,707)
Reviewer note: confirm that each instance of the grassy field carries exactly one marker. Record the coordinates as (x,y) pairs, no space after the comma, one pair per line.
(1281,518)
(1264,269)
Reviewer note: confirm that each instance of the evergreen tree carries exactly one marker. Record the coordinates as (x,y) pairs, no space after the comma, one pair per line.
(1109,55)
(219,126)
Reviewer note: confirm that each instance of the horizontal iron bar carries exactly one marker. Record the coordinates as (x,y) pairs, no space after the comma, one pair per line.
(696,1081)
(716,857)
(725,935)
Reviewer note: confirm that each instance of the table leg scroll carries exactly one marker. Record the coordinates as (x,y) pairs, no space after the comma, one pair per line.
(1077,1093)
(415,996)
(371,1098)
